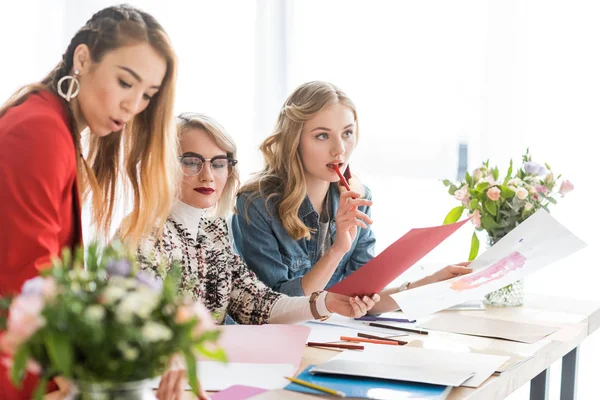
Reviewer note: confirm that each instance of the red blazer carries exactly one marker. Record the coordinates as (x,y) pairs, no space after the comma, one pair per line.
(39,199)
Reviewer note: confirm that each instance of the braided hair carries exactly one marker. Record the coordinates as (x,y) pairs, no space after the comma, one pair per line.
(150,136)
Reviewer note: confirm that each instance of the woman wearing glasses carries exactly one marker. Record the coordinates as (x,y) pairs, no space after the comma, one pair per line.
(196,234)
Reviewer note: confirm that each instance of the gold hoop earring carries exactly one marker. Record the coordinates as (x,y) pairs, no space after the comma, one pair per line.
(73,84)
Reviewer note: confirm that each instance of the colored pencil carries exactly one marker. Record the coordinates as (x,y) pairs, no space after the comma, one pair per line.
(316,387)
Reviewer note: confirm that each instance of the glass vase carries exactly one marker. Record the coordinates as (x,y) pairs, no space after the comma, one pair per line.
(512,295)
(138,390)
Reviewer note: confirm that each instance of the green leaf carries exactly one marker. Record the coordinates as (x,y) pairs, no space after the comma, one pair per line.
(454,215)
(447,182)
(495,173)
(488,223)
(452,189)
(468,179)
(40,389)
(474,204)
(506,192)
(482,186)
(508,173)
(19,364)
(217,354)
(60,352)
(190,361)
(474,247)
(491,207)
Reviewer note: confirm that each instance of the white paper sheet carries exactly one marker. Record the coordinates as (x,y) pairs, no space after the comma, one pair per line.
(219,376)
(428,361)
(539,241)
(215,375)
(327,329)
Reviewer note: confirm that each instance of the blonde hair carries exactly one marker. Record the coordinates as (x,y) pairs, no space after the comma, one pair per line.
(149,141)
(190,120)
(282,178)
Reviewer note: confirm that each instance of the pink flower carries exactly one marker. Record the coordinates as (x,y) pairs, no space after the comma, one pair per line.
(477,175)
(462,193)
(522,193)
(476,218)
(196,310)
(31,366)
(490,180)
(493,193)
(205,321)
(24,319)
(566,187)
(541,189)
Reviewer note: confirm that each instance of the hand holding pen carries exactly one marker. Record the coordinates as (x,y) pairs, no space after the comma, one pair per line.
(348,217)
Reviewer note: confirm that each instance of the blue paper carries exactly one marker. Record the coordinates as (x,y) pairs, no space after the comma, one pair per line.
(367,388)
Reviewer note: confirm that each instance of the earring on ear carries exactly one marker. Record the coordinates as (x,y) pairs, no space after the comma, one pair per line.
(74,86)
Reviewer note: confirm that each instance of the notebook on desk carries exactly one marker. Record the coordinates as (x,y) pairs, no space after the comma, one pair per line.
(369,388)
(408,373)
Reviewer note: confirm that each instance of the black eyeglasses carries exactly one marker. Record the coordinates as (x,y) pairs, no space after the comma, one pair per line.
(221,166)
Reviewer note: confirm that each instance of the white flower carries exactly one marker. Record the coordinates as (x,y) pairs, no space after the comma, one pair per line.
(79,274)
(532,189)
(514,182)
(141,303)
(155,332)
(528,206)
(129,353)
(522,193)
(95,313)
(123,282)
(112,294)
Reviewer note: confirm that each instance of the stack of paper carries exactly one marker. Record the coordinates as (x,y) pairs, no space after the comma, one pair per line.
(487,327)
(420,365)
(365,388)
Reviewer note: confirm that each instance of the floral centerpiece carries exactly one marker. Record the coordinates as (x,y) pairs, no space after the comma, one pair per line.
(107,323)
(497,204)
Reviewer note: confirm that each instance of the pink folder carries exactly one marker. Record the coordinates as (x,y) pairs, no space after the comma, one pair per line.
(375,275)
(237,392)
(264,344)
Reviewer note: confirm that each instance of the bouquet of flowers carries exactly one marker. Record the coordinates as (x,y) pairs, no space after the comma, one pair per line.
(497,205)
(109,322)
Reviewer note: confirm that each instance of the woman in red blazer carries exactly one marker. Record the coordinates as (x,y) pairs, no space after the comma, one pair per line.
(116,78)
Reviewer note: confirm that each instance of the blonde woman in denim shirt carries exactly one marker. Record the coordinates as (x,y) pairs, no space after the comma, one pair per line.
(295,226)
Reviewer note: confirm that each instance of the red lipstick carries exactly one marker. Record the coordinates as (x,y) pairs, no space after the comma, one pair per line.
(204,190)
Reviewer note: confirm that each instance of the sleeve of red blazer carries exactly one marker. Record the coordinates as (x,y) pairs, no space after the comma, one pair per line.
(37,162)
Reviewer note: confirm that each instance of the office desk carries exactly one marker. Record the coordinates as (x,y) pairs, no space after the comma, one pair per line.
(577,319)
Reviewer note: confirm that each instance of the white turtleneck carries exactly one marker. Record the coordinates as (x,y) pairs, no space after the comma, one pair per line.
(189,216)
(286,310)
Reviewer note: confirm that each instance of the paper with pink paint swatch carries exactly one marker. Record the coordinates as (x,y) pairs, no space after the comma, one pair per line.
(537,242)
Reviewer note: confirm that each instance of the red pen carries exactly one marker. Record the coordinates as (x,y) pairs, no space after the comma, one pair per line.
(342,179)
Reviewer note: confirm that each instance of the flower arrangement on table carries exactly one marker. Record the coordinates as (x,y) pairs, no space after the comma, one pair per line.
(109,322)
(497,205)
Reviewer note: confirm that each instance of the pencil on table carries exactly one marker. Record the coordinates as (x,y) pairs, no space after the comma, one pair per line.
(316,387)
(398,328)
(369,340)
(336,345)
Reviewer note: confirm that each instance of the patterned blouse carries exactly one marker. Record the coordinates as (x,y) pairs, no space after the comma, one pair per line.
(212,272)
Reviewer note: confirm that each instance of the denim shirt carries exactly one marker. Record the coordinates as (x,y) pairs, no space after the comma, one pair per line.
(279,260)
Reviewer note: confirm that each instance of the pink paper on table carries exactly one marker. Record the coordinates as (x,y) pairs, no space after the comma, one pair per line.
(237,392)
(264,344)
(375,275)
